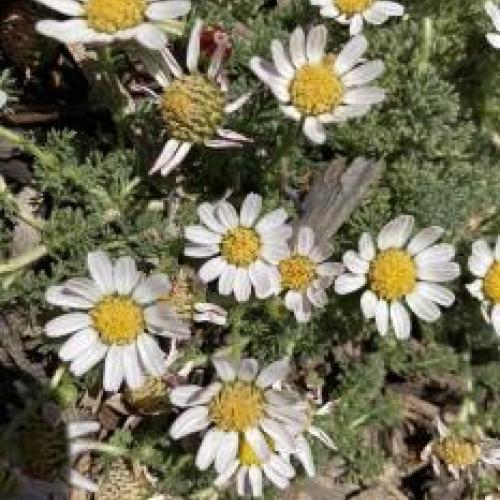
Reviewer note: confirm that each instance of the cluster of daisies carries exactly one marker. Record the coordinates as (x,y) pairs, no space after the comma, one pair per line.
(123,319)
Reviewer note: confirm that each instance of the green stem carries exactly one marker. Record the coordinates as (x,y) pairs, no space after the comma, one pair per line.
(23,260)
(425,45)
(109,449)
(35,223)
(27,145)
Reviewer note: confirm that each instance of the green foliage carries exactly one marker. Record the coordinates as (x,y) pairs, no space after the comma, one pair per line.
(437,134)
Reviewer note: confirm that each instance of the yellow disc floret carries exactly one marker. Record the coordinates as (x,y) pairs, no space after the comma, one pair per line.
(239,406)
(110,16)
(316,89)
(297,272)
(240,246)
(192,108)
(118,319)
(457,452)
(491,285)
(393,274)
(350,7)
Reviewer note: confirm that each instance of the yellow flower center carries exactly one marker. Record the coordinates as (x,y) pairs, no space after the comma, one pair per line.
(239,406)
(457,452)
(118,319)
(491,283)
(110,16)
(350,7)
(192,108)
(393,274)
(316,89)
(297,272)
(240,246)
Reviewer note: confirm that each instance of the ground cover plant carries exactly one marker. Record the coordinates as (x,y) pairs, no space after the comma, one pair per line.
(249,249)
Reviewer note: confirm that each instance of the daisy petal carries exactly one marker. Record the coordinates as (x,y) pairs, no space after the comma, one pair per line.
(439,272)
(151,355)
(424,239)
(60,296)
(101,270)
(354,263)
(273,373)
(88,359)
(281,437)
(66,7)
(366,247)
(134,375)
(226,280)
(248,369)
(225,369)
(495,318)
(208,449)
(67,323)
(348,283)
(369,303)
(281,61)
(350,54)
(191,421)
(316,42)
(113,369)
(255,478)
(298,47)
(227,214)
(193,50)
(382,317)
(250,209)
(314,130)
(400,320)
(152,288)
(396,233)
(423,307)
(228,449)
(363,74)
(126,275)
(258,443)
(435,254)
(164,10)
(436,293)
(212,269)
(78,343)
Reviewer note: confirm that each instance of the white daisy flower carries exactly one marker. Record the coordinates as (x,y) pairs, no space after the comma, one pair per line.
(305,274)
(355,12)
(494,12)
(319,87)
(243,249)
(459,452)
(106,21)
(246,422)
(397,272)
(119,313)
(485,264)
(194,106)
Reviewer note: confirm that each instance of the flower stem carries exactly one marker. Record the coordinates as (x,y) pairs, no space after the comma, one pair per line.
(23,260)
(26,145)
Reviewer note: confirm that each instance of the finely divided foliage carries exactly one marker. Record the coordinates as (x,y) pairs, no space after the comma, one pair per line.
(197,301)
